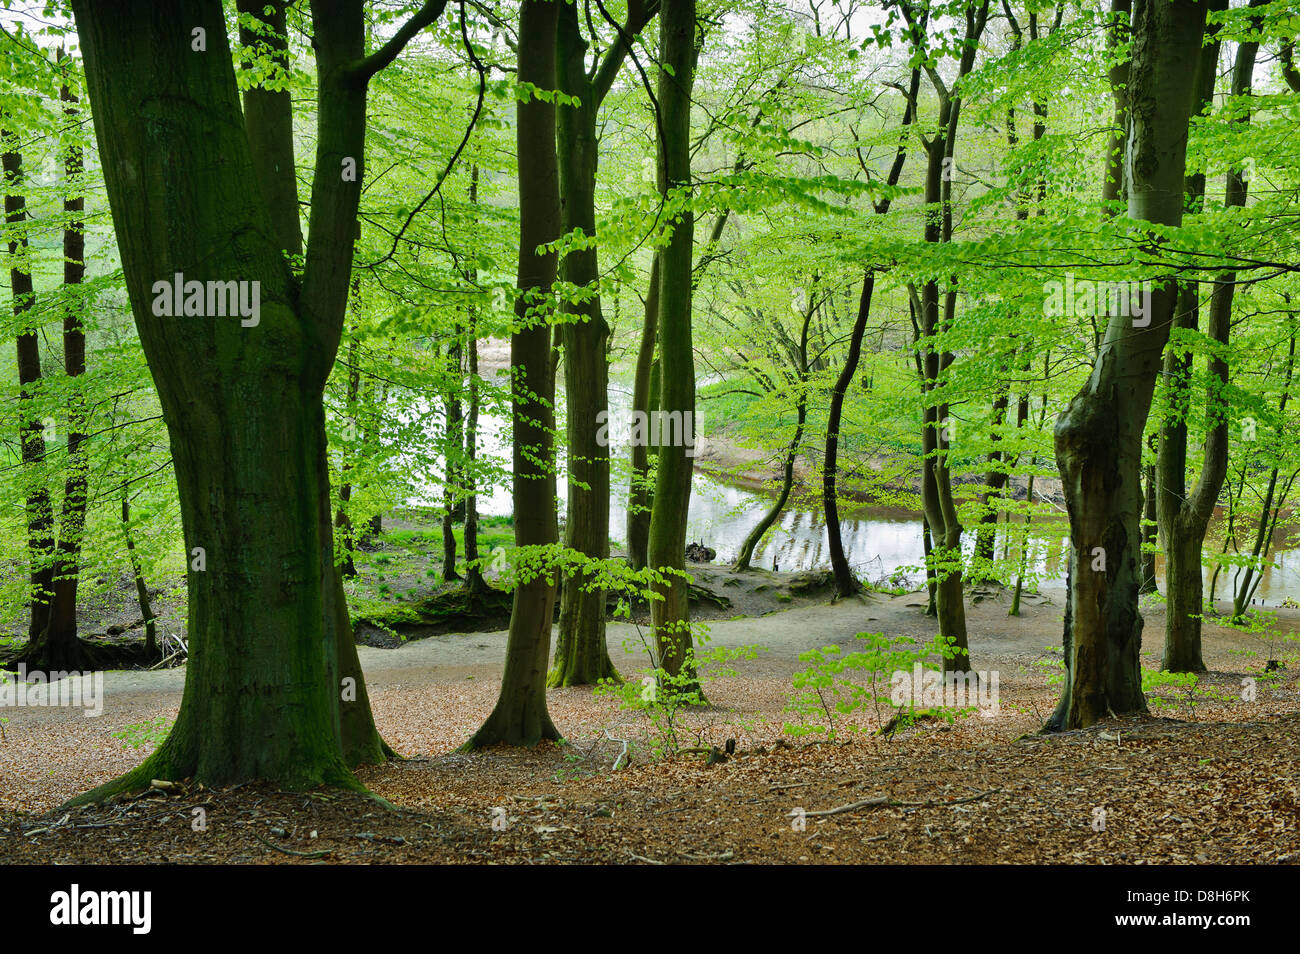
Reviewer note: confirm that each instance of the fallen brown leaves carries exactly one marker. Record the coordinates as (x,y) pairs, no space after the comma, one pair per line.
(1171,791)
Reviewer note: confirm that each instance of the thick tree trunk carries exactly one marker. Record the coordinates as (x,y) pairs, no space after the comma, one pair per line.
(242,402)
(670,616)
(520,716)
(581,655)
(1099,436)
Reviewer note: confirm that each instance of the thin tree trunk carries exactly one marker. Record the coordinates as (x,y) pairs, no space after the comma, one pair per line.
(137,574)
(342,519)
(474,581)
(792,454)
(520,716)
(454,442)
(670,616)
(581,654)
(640,497)
(1187,517)
(63,650)
(845,583)
(40,515)
(1150,523)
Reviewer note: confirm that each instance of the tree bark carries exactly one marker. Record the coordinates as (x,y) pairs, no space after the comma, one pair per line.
(1098,437)
(40,515)
(670,616)
(1186,517)
(265,695)
(520,716)
(581,654)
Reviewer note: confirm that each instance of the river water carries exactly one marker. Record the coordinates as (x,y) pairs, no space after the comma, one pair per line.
(878,541)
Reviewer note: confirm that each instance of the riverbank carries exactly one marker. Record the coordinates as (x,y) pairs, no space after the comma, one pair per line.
(721,456)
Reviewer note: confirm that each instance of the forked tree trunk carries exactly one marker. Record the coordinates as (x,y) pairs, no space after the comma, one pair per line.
(520,716)
(264,691)
(933,313)
(1099,436)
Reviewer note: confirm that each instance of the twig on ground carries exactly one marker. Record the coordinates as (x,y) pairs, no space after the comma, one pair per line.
(289,851)
(883,801)
(37,831)
(620,754)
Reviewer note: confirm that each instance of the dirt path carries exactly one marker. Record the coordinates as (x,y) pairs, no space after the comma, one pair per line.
(429,695)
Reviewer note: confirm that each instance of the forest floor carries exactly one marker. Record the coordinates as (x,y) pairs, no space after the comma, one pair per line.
(1209,780)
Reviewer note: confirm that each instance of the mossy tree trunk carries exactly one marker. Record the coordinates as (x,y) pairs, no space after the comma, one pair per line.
(264,691)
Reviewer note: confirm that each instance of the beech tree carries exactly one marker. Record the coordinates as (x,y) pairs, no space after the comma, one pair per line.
(273,689)
(520,716)
(1099,436)
(670,616)
(581,654)
(1184,516)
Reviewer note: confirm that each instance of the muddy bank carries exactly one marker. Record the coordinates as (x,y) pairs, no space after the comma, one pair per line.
(717,593)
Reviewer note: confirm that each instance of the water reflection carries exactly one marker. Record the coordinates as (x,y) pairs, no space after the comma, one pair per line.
(878,541)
